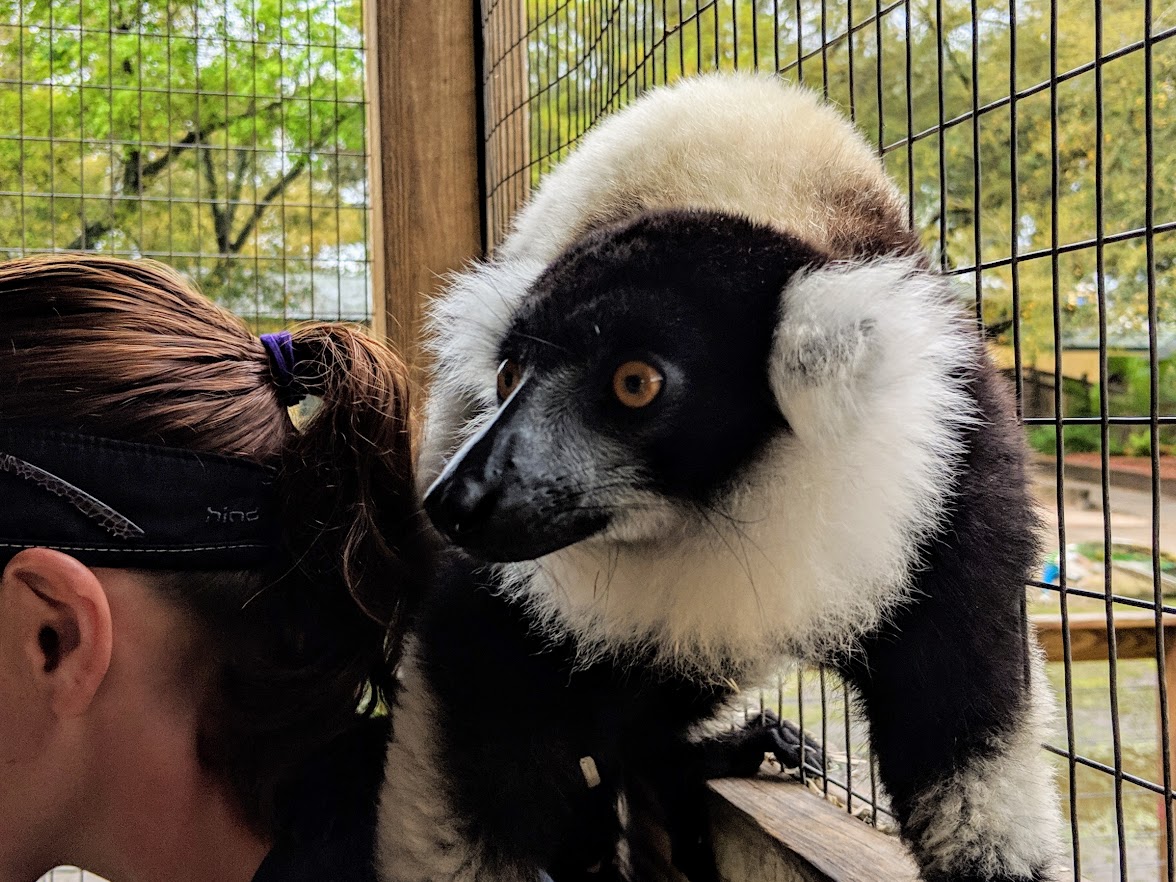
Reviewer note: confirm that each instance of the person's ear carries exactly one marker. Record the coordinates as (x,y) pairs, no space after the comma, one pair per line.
(55,624)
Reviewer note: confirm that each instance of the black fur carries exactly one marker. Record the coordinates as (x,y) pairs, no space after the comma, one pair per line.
(517,715)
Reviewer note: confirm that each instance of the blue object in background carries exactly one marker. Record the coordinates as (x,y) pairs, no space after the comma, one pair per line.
(1051,573)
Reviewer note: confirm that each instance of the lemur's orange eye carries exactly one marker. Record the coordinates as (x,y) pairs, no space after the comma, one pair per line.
(636,384)
(509,374)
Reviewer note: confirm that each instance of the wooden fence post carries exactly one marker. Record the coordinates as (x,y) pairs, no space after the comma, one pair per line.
(423,147)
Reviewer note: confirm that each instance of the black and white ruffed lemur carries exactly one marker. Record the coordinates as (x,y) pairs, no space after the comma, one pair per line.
(710,407)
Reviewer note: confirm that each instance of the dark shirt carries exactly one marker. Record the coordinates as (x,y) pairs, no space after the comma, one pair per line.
(328,824)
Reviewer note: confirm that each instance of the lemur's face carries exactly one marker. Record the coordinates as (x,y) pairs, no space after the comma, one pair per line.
(633,387)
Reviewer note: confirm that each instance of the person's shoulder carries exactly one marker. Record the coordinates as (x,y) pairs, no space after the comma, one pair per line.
(327,820)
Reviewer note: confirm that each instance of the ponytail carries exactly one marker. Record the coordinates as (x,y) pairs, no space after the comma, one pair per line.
(350,466)
(355,539)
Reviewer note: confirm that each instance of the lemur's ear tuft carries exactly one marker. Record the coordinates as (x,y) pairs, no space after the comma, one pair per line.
(849,334)
(816,353)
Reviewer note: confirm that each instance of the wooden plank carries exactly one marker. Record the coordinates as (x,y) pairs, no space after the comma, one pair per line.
(1095,620)
(422,87)
(753,817)
(769,829)
(1134,635)
(744,854)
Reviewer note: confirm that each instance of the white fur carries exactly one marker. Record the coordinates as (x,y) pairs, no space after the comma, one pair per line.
(998,814)
(466,326)
(818,545)
(419,839)
(746,144)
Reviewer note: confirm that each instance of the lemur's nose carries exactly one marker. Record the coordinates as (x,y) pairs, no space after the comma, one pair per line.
(461,503)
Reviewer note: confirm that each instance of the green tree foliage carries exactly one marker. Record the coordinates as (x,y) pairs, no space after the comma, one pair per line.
(585,59)
(224,137)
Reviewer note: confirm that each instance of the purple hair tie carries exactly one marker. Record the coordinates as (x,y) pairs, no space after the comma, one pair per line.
(280,346)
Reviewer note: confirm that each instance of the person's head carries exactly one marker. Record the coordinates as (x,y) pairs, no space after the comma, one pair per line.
(244,668)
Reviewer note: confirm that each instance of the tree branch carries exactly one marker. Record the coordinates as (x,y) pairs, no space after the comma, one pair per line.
(137,180)
(200,136)
(282,185)
(219,215)
(93,231)
(132,170)
(235,186)
(266,201)
(965,78)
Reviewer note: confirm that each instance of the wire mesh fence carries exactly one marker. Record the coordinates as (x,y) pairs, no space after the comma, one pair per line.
(223,137)
(1028,136)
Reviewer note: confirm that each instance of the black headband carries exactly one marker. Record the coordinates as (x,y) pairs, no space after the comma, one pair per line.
(120,504)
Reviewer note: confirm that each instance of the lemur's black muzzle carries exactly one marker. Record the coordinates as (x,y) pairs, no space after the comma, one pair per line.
(509,495)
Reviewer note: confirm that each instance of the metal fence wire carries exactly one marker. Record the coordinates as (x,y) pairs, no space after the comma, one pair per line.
(1028,135)
(223,137)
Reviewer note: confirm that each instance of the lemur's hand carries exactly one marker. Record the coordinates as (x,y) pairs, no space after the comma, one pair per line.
(792,747)
(740,753)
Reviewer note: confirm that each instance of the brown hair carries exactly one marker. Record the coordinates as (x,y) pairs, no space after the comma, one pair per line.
(294,655)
